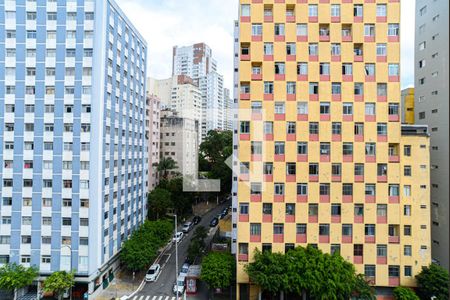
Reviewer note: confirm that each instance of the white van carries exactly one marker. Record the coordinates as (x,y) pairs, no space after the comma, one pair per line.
(179,285)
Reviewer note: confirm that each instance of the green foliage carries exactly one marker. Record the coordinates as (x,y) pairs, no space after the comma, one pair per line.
(404,293)
(433,281)
(165,165)
(181,200)
(307,270)
(218,269)
(362,289)
(58,282)
(14,276)
(215,149)
(197,245)
(269,270)
(158,202)
(141,249)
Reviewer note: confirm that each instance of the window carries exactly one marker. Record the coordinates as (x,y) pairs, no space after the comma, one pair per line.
(358,250)
(336,49)
(302,189)
(422,45)
(407,210)
(347,148)
(302,29)
(370,69)
(313,88)
(280,68)
(245,10)
(423,10)
(245,127)
(279,29)
(243,208)
(335,209)
(347,189)
(313,49)
(290,209)
(336,128)
(279,148)
(394,190)
(324,189)
(313,169)
(267,208)
(407,150)
(359,210)
(407,230)
(381,10)
(290,127)
(324,148)
(324,229)
(324,108)
(255,229)
(358,10)
(312,10)
(359,129)
(369,270)
(302,68)
(381,128)
(369,30)
(268,87)
(407,250)
(290,48)
(268,127)
(268,48)
(394,271)
(347,108)
(369,229)
(407,170)
(313,209)
(278,229)
(336,169)
(335,10)
(347,69)
(393,70)
(255,188)
(347,230)
(279,189)
(370,189)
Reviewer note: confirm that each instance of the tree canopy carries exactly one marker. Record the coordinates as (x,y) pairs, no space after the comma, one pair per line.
(218,269)
(58,282)
(404,293)
(307,270)
(165,165)
(159,200)
(433,281)
(14,276)
(214,151)
(140,250)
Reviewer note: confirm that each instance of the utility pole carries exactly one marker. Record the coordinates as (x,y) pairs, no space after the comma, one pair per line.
(70,269)
(176,255)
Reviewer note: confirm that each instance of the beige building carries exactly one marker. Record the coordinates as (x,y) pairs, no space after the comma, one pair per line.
(153,125)
(180,94)
(179,140)
(407,106)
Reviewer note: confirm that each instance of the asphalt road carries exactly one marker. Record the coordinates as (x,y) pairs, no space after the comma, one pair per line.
(164,284)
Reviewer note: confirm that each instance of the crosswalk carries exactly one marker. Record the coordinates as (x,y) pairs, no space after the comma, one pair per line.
(154,298)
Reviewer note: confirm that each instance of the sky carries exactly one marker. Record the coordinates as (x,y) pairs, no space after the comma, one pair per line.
(166,23)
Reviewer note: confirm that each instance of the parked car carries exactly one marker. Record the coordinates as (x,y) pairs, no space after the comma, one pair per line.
(214,222)
(187,227)
(196,220)
(179,285)
(223,214)
(178,236)
(153,272)
(184,269)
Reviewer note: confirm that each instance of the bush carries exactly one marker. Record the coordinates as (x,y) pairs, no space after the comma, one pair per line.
(433,281)
(404,293)
(141,249)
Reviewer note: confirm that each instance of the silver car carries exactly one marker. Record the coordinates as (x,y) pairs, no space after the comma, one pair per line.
(153,272)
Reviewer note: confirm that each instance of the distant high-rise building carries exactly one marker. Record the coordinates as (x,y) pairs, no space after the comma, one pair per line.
(432,108)
(196,61)
(229,106)
(407,106)
(73,155)
(181,95)
(153,137)
(321,155)
(179,141)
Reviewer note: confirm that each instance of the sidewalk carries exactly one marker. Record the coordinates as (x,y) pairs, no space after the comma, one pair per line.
(124,284)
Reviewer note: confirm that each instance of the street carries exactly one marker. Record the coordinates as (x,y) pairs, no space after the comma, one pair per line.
(161,289)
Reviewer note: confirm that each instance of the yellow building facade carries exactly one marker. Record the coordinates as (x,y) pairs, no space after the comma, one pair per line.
(320,154)
(408,106)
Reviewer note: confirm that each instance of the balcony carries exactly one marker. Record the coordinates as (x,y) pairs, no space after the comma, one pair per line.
(336,178)
(336,58)
(313,137)
(256,157)
(278,238)
(347,239)
(267,218)
(314,97)
(369,239)
(347,199)
(371,158)
(336,97)
(394,281)
(291,178)
(382,178)
(280,77)
(381,58)
(243,218)
(313,219)
(244,137)
(279,157)
(335,219)
(268,97)
(255,197)
(314,178)
(301,238)
(255,238)
(257,77)
(290,219)
(359,219)
(268,178)
(302,157)
(245,96)
(280,117)
(381,260)
(357,259)
(256,38)
(348,158)
(381,219)
(291,97)
(359,98)
(243,257)
(302,198)
(359,138)
(359,178)
(370,198)
(302,38)
(394,239)
(325,158)
(324,238)
(324,198)
(268,137)
(243,177)
(336,137)
(280,38)
(381,138)
(278,198)
(394,199)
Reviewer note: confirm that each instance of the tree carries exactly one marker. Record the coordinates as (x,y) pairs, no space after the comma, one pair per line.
(165,165)
(158,202)
(218,270)
(14,277)
(58,283)
(433,281)
(214,151)
(404,293)
(362,289)
(197,245)
(140,250)
(307,271)
(269,271)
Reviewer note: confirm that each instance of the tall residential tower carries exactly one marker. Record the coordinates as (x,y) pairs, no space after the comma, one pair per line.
(322,157)
(431,108)
(73,155)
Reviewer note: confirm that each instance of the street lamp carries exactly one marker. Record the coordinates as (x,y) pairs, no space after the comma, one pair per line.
(70,248)
(176,255)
